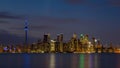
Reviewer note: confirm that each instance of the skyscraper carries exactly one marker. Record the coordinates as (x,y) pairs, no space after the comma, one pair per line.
(60,37)
(46,38)
(74,35)
(60,42)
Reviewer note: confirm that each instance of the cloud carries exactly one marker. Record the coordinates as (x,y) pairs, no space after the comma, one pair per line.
(74,1)
(3,22)
(94,3)
(8,15)
(42,27)
(115,2)
(46,19)
(36,27)
(7,38)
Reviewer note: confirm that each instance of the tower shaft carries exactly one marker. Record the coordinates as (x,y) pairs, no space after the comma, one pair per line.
(26,32)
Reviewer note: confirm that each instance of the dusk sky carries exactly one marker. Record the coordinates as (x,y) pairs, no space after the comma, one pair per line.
(98,18)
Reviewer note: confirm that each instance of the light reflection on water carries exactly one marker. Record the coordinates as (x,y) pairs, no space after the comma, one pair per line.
(52,61)
(90,61)
(96,60)
(81,61)
(27,61)
(118,65)
(59,60)
(75,62)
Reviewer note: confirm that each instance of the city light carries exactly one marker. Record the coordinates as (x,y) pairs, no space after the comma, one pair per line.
(74,45)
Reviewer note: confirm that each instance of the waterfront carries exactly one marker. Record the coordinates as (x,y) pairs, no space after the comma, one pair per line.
(60,60)
(74,45)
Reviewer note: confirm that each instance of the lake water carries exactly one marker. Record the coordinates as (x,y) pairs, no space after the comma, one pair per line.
(59,60)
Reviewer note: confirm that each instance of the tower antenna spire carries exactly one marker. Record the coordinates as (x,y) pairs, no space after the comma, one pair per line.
(26,31)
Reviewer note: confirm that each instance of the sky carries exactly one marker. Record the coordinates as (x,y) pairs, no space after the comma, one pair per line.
(97,18)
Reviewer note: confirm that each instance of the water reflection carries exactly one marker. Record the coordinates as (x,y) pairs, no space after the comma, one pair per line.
(26,61)
(60,60)
(90,61)
(52,61)
(81,61)
(96,61)
(74,61)
(117,61)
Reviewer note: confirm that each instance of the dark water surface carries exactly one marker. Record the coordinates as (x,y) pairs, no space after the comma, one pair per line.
(59,60)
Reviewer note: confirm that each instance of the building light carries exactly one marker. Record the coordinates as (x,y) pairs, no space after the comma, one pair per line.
(81,34)
(89,43)
(53,41)
(95,40)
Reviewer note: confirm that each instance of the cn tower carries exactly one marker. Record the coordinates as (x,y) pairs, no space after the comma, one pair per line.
(26,31)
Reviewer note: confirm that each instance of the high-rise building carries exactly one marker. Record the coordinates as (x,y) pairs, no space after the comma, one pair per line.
(60,42)
(46,38)
(60,37)
(75,36)
(94,42)
(52,46)
(46,42)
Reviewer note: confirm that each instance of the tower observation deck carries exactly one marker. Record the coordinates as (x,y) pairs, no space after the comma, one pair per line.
(26,31)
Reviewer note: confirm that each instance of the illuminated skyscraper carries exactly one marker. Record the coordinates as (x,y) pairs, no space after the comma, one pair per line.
(60,37)
(46,41)
(26,31)
(94,42)
(75,36)
(60,42)
(52,46)
(46,38)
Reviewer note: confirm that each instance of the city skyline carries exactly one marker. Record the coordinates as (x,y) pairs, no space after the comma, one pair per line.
(58,45)
(98,19)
